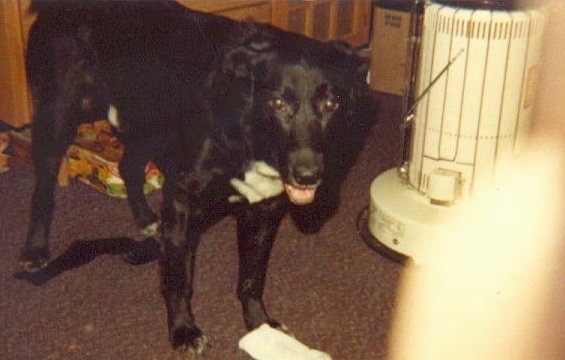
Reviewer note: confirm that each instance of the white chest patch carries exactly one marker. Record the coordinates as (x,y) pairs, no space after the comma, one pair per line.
(260,182)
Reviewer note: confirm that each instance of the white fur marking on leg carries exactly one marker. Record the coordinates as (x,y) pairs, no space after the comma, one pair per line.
(113,116)
(151,229)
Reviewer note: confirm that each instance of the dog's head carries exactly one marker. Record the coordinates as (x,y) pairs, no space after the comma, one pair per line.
(296,105)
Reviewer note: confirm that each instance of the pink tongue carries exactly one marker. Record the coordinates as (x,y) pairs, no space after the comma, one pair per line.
(300,196)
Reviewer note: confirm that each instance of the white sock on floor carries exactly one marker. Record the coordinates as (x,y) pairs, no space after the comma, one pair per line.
(267,343)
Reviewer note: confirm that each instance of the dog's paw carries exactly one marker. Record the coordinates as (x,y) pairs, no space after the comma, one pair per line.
(34,259)
(151,229)
(146,220)
(189,339)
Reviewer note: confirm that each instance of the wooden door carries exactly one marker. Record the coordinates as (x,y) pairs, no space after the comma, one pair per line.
(15,103)
(325,19)
(258,10)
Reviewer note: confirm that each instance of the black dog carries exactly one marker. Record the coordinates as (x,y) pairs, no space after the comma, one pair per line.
(239,117)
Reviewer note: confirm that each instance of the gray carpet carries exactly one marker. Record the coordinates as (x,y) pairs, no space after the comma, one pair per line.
(330,290)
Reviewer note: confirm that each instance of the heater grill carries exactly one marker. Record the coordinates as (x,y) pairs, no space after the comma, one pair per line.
(473,118)
(475,90)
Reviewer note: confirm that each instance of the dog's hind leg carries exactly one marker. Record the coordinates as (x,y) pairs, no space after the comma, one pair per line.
(132,170)
(140,254)
(52,132)
(256,229)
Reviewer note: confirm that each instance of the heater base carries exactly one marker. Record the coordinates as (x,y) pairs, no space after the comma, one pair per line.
(373,243)
(399,218)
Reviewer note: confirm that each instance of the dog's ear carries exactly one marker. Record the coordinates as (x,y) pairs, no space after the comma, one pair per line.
(360,63)
(231,88)
(256,38)
(254,47)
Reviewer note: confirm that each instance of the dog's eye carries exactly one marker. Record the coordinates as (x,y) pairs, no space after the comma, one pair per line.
(329,105)
(278,104)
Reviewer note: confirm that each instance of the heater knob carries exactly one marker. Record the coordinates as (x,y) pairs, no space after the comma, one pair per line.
(443,186)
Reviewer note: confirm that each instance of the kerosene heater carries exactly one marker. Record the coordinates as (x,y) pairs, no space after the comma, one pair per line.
(466,117)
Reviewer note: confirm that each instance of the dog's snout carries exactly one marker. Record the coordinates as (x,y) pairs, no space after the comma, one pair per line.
(306,167)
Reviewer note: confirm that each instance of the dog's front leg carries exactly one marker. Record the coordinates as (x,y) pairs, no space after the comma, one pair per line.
(256,229)
(178,251)
(200,200)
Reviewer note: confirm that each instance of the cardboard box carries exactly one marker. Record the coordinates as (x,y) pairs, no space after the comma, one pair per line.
(389,50)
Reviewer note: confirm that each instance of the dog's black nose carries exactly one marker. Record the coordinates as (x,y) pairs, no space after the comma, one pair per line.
(306,176)
(305,167)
